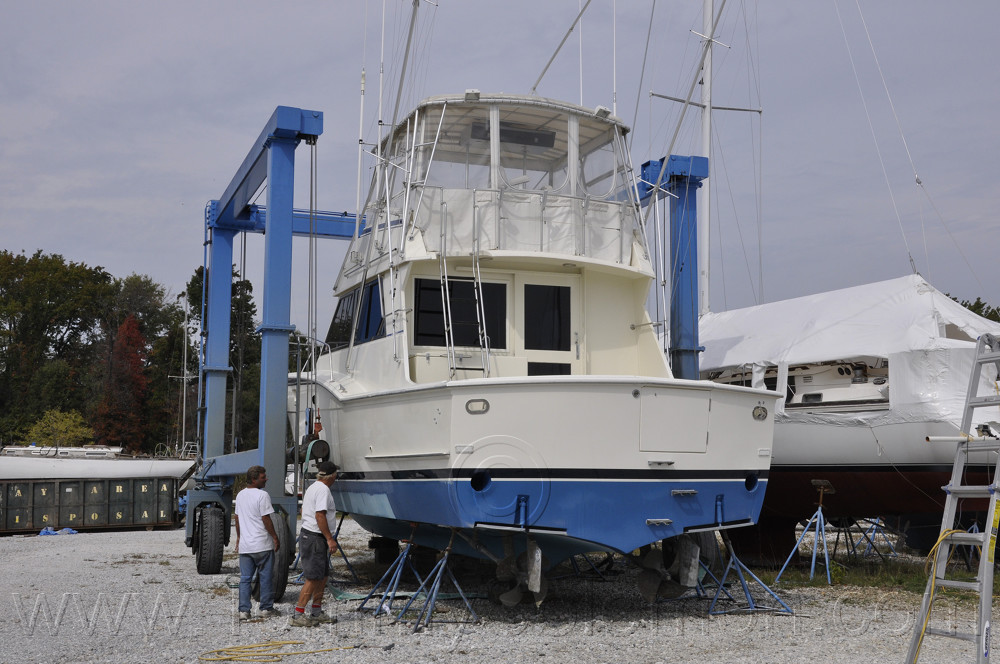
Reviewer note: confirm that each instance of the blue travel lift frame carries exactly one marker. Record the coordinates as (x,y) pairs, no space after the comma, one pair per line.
(271,159)
(680,178)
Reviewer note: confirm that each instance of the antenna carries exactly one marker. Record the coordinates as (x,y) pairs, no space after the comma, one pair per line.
(558,48)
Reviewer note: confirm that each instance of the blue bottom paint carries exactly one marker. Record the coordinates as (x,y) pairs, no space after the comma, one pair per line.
(565,516)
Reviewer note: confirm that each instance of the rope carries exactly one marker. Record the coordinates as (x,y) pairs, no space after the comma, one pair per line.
(931,565)
(269,652)
(260,652)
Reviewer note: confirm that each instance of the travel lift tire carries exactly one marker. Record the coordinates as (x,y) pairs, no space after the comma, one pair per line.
(282,560)
(209,540)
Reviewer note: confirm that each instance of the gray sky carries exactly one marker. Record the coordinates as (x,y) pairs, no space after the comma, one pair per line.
(120,120)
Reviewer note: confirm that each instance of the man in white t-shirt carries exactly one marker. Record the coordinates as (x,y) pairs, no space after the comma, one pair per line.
(316,543)
(256,542)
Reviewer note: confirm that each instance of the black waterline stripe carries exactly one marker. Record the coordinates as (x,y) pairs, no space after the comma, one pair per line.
(554,474)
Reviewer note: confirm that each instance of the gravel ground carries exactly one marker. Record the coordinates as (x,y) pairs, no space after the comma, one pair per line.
(136,597)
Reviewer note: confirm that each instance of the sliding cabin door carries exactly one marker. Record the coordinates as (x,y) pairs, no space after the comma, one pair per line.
(550,319)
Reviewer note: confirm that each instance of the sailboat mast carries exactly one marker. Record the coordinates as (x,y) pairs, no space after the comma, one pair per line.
(705,206)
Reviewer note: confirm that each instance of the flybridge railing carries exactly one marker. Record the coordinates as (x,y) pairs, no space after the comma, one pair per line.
(525,221)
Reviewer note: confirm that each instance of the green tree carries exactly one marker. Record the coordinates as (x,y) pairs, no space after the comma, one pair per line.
(49,312)
(981,308)
(60,428)
(244,357)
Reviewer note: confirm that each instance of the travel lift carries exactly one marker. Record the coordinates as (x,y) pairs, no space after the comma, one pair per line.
(271,159)
(679,177)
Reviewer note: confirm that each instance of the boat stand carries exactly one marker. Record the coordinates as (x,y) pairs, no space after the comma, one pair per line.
(875,532)
(430,588)
(742,571)
(843,527)
(817,520)
(699,589)
(971,554)
(391,579)
(299,580)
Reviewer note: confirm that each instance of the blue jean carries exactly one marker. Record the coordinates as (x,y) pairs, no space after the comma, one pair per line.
(264,562)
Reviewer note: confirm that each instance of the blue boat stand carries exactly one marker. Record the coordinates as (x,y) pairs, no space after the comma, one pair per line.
(742,571)
(429,587)
(818,523)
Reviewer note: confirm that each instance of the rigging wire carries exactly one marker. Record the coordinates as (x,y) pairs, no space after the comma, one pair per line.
(642,74)
(739,230)
(614,58)
(578,4)
(694,81)
(558,48)
(753,76)
(916,177)
(871,127)
(312,280)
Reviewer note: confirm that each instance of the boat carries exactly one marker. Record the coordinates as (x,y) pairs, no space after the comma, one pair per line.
(490,377)
(31,462)
(865,375)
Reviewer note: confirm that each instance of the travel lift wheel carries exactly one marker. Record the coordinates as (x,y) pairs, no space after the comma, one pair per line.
(209,539)
(282,560)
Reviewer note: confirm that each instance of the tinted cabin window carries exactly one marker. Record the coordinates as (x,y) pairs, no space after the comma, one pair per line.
(339,334)
(546,317)
(429,316)
(548,369)
(370,323)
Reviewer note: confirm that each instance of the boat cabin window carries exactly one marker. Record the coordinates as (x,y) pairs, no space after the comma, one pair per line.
(429,316)
(533,153)
(549,369)
(539,149)
(370,322)
(461,159)
(546,317)
(599,166)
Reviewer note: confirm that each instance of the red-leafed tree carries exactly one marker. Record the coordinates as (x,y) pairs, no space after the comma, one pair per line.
(119,419)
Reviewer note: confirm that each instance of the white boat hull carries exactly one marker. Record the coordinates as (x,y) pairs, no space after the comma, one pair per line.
(37,468)
(582,464)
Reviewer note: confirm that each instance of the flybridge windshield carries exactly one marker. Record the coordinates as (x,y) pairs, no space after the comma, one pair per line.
(508,174)
(538,149)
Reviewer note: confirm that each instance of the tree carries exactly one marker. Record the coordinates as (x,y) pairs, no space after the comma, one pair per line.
(49,312)
(119,419)
(56,427)
(981,308)
(244,356)
(160,320)
(60,324)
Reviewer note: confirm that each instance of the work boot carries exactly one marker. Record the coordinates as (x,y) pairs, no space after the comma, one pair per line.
(301,620)
(323,617)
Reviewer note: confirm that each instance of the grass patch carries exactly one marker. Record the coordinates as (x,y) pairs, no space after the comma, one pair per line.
(904,573)
(900,574)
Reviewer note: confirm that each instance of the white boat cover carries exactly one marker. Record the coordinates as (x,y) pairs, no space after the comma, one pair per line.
(928,339)
(879,319)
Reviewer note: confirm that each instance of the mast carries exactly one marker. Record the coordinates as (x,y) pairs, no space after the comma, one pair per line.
(705,206)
